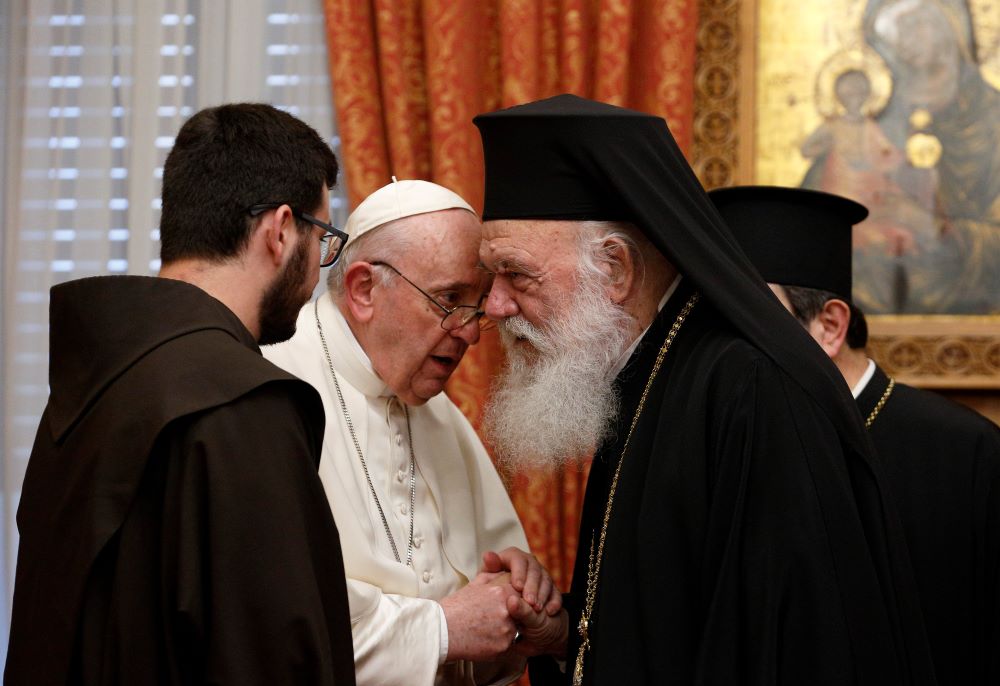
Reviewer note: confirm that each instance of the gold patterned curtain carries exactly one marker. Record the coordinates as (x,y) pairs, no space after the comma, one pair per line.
(409,76)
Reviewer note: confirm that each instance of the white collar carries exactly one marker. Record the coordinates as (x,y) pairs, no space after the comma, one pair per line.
(346,352)
(623,360)
(859,387)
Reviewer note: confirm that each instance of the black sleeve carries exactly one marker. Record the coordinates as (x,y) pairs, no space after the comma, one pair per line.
(785,589)
(251,550)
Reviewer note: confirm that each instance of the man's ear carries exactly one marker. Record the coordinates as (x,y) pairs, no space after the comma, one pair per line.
(277,233)
(619,264)
(359,290)
(829,328)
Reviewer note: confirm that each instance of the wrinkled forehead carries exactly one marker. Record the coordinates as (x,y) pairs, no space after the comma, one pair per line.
(441,247)
(444,234)
(539,239)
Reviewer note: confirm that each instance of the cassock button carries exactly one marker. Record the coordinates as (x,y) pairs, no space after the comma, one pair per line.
(418,541)
(427,577)
(400,475)
(402,508)
(399,439)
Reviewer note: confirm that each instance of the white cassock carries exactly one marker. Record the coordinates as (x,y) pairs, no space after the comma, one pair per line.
(462,509)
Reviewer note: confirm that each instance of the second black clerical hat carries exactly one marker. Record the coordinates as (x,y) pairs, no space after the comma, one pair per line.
(793,236)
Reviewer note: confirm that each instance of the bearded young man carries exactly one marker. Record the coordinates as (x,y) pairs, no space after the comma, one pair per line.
(173,526)
(415,495)
(942,460)
(734,528)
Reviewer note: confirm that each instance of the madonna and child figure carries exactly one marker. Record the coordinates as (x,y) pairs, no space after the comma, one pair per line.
(923,157)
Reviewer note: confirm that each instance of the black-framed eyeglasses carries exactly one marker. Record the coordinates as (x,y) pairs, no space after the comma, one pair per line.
(333,240)
(454,317)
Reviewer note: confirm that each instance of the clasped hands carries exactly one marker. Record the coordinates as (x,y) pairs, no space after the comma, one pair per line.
(511,596)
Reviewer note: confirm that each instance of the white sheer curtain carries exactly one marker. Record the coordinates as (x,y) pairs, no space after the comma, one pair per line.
(92,93)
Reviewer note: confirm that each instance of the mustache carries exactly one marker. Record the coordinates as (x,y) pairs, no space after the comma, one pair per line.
(517,327)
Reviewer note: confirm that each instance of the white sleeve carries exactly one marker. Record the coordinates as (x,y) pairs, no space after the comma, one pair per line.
(397,640)
(403,640)
(443,653)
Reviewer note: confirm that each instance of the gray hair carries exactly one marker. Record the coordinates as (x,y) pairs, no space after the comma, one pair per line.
(386,243)
(592,243)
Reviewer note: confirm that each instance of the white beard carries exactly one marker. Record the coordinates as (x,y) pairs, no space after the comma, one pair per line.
(554,401)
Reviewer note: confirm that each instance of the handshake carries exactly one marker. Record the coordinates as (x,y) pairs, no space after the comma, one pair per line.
(511,606)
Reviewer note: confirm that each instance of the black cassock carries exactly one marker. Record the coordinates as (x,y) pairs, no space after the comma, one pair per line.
(734,552)
(942,462)
(173,527)
(752,539)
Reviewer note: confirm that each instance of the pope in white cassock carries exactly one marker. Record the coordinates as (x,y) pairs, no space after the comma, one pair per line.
(414,494)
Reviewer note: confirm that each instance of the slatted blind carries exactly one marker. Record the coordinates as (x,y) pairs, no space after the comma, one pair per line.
(94,92)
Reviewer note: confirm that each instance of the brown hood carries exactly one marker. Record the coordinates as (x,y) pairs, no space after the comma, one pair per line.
(100,326)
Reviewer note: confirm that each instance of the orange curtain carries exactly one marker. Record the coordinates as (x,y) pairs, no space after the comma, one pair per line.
(409,76)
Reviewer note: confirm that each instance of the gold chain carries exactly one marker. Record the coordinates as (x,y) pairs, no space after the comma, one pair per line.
(594,564)
(881,403)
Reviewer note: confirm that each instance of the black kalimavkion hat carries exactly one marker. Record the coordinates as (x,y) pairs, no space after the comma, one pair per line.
(532,169)
(793,236)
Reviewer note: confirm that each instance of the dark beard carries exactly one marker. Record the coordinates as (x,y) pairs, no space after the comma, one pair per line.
(281,302)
